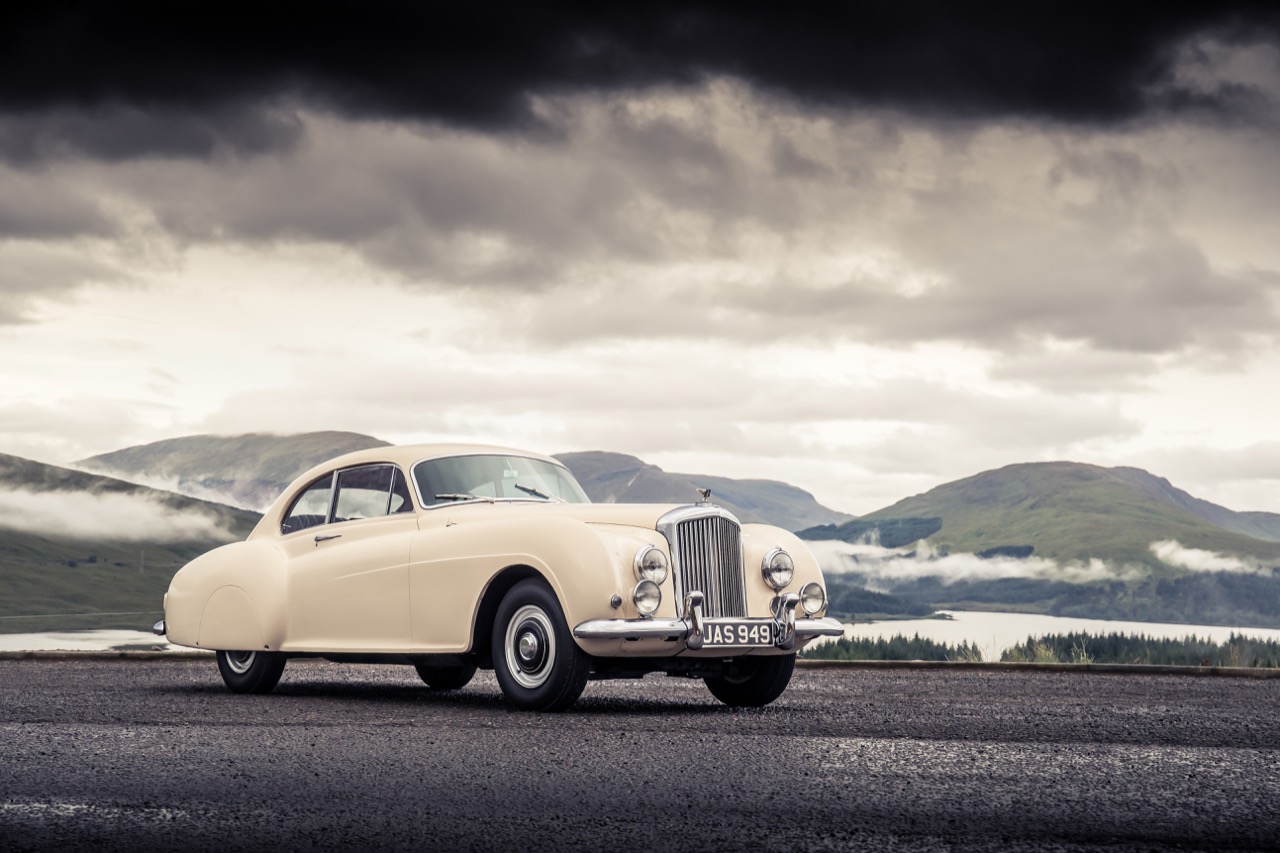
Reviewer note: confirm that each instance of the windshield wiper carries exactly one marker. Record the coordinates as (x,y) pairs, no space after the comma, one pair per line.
(537,493)
(460,496)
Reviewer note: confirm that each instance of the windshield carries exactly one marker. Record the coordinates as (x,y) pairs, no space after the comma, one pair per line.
(494,477)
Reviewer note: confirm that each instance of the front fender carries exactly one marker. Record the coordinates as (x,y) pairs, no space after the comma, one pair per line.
(457,563)
(757,541)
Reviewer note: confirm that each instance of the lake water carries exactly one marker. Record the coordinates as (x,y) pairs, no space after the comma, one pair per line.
(84,641)
(995,632)
(991,632)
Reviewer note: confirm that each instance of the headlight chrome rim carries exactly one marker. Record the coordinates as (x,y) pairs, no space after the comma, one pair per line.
(778,569)
(813,598)
(647,597)
(651,564)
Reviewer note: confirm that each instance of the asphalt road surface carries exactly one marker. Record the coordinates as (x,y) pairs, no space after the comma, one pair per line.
(145,755)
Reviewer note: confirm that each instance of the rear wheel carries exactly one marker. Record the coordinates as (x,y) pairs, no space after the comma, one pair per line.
(251,672)
(446,677)
(753,682)
(538,665)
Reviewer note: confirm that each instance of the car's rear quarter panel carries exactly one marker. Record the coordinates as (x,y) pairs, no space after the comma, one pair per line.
(233,597)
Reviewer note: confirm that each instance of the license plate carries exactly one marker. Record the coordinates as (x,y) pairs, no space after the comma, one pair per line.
(731,632)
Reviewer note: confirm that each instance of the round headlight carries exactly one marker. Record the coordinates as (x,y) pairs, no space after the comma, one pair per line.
(777,568)
(812,598)
(647,597)
(651,564)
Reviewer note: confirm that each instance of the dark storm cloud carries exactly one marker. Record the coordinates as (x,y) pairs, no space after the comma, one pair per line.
(477,65)
(119,131)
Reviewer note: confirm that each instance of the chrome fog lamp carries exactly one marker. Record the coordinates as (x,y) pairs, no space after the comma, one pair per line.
(647,597)
(813,599)
(777,568)
(651,564)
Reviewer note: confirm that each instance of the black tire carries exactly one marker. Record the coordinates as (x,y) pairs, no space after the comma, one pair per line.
(446,677)
(251,672)
(753,682)
(538,665)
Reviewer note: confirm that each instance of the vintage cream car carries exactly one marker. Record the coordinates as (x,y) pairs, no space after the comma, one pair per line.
(453,557)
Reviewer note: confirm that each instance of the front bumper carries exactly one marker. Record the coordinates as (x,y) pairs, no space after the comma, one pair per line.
(787,629)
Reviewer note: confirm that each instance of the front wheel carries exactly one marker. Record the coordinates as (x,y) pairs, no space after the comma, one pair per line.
(753,682)
(250,672)
(538,665)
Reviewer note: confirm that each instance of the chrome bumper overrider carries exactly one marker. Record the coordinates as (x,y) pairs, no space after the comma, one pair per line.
(787,628)
(158,628)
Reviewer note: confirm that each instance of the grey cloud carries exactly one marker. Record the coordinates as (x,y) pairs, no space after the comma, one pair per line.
(116,132)
(993,435)
(72,428)
(44,207)
(788,162)
(1158,296)
(1255,461)
(682,200)
(1076,370)
(430,206)
(30,271)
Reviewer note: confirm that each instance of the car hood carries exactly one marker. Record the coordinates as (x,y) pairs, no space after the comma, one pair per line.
(632,515)
(629,515)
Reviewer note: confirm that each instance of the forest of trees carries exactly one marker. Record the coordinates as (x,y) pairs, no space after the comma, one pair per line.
(1238,650)
(898,647)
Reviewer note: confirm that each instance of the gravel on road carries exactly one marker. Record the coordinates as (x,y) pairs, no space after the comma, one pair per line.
(144,755)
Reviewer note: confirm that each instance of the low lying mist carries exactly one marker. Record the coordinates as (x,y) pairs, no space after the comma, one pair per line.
(108,516)
(251,495)
(1172,553)
(884,567)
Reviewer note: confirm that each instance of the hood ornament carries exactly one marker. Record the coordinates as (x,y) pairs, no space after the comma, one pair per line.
(704,496)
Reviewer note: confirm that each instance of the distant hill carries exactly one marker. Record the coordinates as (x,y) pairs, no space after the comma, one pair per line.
(73,544)
(618,478)
(251,470)
(242,470)
(1066,539)
(1072,511)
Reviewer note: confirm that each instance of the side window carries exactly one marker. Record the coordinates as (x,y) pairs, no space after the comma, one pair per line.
(370,492)
(400,500)
(310,508)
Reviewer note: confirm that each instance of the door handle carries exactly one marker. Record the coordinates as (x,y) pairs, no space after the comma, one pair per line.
(320,539)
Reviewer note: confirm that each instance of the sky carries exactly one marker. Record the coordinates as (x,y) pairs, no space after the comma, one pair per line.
(862,248)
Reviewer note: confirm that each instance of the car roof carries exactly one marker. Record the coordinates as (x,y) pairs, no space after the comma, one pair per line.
(407,455)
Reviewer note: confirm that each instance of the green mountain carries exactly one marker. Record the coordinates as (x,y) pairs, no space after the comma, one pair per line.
(1069,511)
(1088,532)
(242,470)
(618,478)
(79,550)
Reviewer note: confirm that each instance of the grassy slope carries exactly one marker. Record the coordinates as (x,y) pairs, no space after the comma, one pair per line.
(1068,511)
(37,575)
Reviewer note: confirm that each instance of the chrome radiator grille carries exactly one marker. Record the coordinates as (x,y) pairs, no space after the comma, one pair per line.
(708,558)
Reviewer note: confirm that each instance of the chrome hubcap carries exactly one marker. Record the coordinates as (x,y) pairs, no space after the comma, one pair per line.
(530,646)
(239,662)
